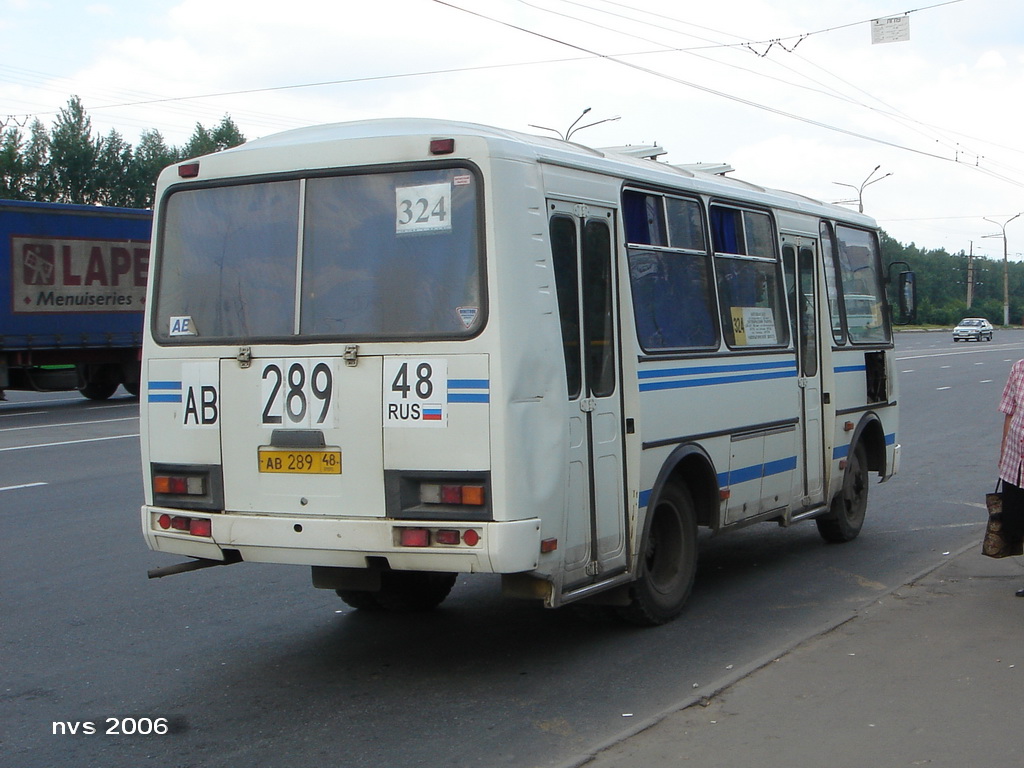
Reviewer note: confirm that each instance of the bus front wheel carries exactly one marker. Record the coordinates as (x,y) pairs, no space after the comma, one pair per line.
(846,517)
(669,561)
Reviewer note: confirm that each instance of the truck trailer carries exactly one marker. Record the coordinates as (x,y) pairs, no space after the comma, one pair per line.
(73,280)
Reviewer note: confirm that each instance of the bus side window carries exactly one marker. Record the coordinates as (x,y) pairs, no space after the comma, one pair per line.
(671,285)
(749,280)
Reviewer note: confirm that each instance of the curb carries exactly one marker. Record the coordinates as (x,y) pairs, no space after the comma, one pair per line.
(727,681)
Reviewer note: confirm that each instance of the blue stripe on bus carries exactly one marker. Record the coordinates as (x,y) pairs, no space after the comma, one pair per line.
(683,384)
(164,392)
(468,384)
(455,398)
(474,395)
(742,475)
(694,370)
(850,368)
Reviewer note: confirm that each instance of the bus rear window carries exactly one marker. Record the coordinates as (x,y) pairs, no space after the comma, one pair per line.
(377,256)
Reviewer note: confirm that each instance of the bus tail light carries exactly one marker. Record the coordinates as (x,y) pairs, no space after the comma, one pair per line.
(454,497)
(470,495)
(196,526)
(414,537)
(436,537)
(179,485)
(188,486)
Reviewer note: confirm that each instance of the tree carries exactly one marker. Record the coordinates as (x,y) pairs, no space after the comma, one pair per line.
(151,156)
(40,182)
(205,141)
(70,165)
(14,180)
(73,155)
(113,168)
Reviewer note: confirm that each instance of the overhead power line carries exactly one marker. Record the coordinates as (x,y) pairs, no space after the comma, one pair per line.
(706,89)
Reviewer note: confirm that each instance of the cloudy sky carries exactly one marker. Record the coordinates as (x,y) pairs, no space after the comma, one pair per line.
(793,94)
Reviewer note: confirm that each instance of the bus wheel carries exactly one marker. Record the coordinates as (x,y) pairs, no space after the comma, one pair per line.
(359,599)
(413,590)
(669,561)
(846,517)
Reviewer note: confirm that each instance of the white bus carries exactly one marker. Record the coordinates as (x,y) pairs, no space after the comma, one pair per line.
(400,350)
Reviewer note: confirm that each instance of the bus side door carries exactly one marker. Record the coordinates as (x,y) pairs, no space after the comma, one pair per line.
(800,259)
(582,244)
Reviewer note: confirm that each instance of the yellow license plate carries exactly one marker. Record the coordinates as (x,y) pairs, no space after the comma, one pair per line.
(301,462)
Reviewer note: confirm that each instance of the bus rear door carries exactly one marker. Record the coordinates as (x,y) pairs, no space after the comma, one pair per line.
(582,239)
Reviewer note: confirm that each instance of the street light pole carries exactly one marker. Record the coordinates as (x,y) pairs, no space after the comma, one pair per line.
(860,190)
(1006,266)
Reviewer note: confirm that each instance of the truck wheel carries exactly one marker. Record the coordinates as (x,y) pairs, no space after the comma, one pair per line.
(408,591)
(846,517)
(99,390)
(669,563)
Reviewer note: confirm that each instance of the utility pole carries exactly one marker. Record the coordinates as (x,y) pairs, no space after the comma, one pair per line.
(970,276)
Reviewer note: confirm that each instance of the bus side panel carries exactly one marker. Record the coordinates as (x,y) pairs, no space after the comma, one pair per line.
(752,399)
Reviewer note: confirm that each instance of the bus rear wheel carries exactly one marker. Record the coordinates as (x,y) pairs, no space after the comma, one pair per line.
(403,592)
(669,561)
(846,517)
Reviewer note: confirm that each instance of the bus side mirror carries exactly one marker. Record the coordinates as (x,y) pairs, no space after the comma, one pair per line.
(906,288)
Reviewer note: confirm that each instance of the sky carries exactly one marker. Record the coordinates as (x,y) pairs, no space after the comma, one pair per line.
(794,95)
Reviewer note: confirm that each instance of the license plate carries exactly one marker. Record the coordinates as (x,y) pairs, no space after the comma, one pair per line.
(301,462)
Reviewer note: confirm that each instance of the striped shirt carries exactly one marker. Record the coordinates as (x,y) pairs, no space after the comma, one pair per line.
(1013,450)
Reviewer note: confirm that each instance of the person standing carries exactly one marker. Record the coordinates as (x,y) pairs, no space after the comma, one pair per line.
(1011,455)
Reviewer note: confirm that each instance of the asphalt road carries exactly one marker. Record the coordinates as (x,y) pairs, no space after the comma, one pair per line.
(252,666)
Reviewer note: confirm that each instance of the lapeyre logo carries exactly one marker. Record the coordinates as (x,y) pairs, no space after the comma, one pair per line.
(69,275)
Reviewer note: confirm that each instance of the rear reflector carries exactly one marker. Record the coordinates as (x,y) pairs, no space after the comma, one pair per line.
(188,170)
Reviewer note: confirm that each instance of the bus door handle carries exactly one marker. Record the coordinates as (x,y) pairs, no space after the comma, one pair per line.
(588,404)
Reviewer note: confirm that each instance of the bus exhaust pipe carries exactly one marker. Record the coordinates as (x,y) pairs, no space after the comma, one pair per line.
(193,565)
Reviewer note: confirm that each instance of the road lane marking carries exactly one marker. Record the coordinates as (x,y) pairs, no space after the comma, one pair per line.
(23,485)
(66,442)
(68,424)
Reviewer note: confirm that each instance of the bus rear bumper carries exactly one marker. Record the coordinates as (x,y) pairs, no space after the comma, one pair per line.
(497,547)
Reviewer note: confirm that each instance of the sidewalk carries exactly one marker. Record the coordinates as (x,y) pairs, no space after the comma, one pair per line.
(932,674)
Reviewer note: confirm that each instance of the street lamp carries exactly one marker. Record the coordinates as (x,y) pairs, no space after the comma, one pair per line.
(1006,265)
(572,128)
(860,190)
